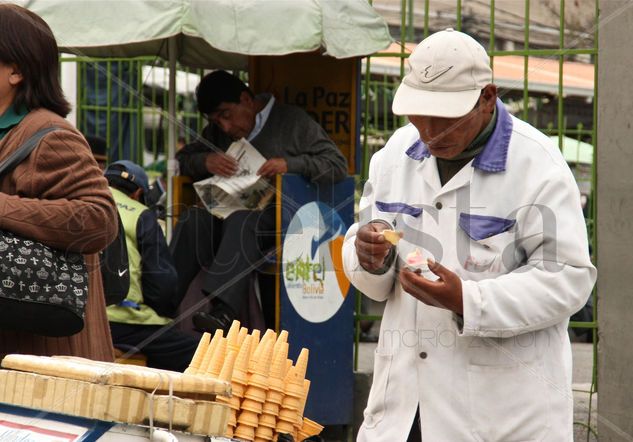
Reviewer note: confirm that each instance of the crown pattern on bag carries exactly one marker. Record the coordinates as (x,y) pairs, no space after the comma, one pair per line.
(53,277)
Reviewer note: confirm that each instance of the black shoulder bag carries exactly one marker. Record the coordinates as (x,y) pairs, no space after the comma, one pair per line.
(42,290)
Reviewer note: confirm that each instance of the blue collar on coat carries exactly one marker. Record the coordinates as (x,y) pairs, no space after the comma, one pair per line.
(494,155)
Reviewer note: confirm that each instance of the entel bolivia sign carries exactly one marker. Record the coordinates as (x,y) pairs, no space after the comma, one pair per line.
(312,262)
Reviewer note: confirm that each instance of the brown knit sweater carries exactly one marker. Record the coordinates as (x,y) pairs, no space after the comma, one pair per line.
(58,196)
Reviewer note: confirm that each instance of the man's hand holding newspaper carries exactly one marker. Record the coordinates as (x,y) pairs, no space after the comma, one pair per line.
(245,189)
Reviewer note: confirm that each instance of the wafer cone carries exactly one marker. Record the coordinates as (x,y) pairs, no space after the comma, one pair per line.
(254,344)
(198,356)
(240,369)
(234,402)
(217,337)
(288,415)
(247,417)
(392,236)
(232,419)
(231,336)
(244,432)
(268,337)
(276,384)
(284,426)
(270,408)
(302,407)
(268,420)
(241,336)
(302,364)
(270,334)
(226,374)
(259,374)
(283,337)
(263,433)
(293,391)
(217,360)
(252,405)
(310,427)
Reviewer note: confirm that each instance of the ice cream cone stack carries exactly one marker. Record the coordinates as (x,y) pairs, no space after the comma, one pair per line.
(240,370)
(246,424)
(276,386)
(302,365)
(254,344)
(274,396)
(268,336)
(258,374)
(217,359)
(232,335)
(198,356)
(263,433)
(241,336)
(226,375)
(282,338)
(288,413)
(255,394)
(302,407)
(208,356)
(294,392)
(310,428)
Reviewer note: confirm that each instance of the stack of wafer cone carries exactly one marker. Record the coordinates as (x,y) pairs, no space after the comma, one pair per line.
(294,392)
(299,423)
(269,393)
(309,428)
(255,394)
(226,375)
(274,396)
(208,355)
(239,381)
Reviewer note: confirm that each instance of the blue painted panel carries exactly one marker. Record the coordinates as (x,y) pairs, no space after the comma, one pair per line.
(317,306)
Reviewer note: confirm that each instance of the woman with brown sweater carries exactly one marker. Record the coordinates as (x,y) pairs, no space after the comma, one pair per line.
(57,195)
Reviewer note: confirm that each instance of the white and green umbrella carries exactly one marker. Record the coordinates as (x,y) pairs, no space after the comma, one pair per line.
(575,151)
(211,33)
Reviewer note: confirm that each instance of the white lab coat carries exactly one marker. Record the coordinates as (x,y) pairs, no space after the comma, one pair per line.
(512,228)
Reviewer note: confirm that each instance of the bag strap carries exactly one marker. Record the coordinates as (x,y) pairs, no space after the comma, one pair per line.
(24,150)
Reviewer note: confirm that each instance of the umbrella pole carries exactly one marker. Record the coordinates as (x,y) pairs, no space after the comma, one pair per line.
(172,135)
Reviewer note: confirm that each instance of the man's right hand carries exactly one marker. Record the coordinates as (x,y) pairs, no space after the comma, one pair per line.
(371,246)
(219,163)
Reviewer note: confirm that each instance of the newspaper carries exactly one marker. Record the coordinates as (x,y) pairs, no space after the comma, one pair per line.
(245,190)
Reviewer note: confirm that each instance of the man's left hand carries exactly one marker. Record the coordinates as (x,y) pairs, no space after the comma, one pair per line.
(445,293)
(273,167)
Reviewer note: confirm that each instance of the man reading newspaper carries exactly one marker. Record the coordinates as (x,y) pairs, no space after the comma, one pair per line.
(230,249)
(244,190)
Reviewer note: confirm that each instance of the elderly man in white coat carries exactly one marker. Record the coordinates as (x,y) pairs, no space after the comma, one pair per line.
(474,347)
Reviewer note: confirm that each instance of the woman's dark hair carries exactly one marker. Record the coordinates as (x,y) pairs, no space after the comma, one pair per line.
(219,87)
(29,44)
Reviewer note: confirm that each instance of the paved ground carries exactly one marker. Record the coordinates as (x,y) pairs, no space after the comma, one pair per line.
(583,362)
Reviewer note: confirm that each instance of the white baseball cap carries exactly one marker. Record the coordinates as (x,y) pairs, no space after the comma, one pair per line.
(448,71)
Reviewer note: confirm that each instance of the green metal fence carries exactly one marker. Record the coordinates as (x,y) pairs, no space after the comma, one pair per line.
(124,101)
(526,103)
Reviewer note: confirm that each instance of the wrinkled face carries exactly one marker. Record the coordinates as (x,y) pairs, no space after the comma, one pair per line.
(448,137)
(235,119)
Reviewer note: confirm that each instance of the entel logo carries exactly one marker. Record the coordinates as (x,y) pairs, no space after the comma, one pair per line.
(313,262)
